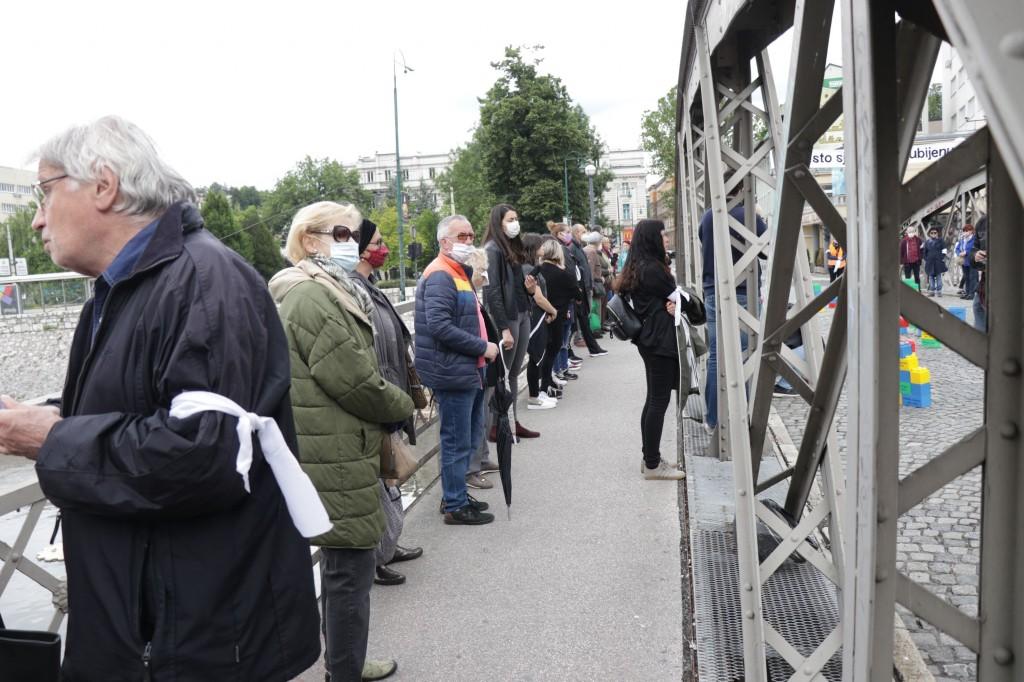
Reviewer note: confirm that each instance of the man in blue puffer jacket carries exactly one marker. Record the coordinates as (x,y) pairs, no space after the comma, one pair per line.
(451,352)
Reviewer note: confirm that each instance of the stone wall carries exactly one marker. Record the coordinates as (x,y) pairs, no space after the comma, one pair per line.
(34,352)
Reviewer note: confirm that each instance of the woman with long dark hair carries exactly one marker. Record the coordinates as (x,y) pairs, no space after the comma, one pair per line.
(647,283)
(507,298)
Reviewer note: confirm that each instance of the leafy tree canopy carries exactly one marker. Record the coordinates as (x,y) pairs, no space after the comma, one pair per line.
(310,181)
(658,134)
(26,242)
(529,131)
(220,220)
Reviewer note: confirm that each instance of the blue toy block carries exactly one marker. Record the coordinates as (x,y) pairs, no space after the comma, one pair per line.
(920,396)
(905,349)
(904,376)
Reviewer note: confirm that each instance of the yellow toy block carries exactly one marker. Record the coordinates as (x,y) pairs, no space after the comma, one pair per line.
(920,375)
(926,335)
(909,363)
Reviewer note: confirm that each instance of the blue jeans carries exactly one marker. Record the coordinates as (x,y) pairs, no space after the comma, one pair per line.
(562,359)
(799,350)
(711,387)
(980,314)
(935,283)
(461,419)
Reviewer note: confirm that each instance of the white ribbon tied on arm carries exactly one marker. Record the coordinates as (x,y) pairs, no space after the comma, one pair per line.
(303,501)
(677,297)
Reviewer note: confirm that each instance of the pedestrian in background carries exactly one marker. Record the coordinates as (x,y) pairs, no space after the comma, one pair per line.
(542,313)
(344,408)
(961,252)
(934,256)
(392,343)
(979,261)
(563,293)
(452,349)
(836,260)
(507,298)
(177,565)
(581,313)
(910,255)
(648,284)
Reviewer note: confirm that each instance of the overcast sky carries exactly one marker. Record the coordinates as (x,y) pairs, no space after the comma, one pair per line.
(238,92)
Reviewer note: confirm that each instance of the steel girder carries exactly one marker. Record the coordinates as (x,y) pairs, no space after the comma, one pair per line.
(879,202)
(720,158)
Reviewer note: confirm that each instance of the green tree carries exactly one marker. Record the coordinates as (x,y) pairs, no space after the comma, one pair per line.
(310,181)
(528,126)
(220,220)
(266,249)
(658,134)
(26,242)
(935,102)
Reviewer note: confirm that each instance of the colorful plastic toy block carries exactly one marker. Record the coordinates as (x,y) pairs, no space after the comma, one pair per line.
(929,341)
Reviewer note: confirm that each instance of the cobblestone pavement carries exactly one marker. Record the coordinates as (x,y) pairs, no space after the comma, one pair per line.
(939,540)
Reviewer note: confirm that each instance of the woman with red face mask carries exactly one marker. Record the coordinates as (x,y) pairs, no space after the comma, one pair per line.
(391,341)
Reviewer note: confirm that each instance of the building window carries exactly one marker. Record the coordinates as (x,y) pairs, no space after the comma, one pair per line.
(432,172)
(9,208)
(387,176)
(626,190)
(369,176)
(626,214)
(6,187)
(405,175)
(24,189)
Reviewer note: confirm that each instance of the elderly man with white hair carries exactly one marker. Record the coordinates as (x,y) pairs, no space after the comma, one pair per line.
(182,560)
(452,349)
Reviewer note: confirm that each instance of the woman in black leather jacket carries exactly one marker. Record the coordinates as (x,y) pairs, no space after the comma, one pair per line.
(647,283)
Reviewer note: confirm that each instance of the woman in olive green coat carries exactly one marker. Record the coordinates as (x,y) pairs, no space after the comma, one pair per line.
(341,404)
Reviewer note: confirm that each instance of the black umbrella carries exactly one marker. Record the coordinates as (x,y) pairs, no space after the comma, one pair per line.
(501,405)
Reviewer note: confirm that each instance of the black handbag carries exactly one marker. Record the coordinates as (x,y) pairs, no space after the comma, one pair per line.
(625,323)
(29,655)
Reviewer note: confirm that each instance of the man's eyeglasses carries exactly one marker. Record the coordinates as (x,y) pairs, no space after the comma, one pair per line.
(464,237)
(339,232)
(39,191)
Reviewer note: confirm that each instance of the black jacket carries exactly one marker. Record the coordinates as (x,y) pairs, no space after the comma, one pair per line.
(648,295)
(505,295)
(164,549)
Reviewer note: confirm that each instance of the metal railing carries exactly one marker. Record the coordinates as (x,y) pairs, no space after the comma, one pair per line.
(41,293)
(31,495)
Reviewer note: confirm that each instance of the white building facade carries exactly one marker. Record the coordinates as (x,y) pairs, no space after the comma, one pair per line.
(377,172)
(15,190)
(624,201)
(961,112)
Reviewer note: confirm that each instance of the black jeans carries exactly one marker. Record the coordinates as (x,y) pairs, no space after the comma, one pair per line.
(346,576)
(915,269)
(662,377)
(554,344)
(583,320)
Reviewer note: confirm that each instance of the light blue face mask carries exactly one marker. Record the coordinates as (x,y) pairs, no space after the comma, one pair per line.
(345,255)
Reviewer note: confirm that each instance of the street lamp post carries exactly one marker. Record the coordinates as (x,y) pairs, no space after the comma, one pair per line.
(398,181)
(591,170)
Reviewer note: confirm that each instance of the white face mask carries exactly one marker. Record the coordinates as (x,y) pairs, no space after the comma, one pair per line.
(345,254)
(512,229)
(461,252)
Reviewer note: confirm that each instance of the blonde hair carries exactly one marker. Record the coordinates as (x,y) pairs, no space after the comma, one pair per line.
(323,215)
(551,250)
(554,228)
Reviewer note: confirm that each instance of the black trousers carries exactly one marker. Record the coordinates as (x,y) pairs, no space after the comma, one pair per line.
(583,320)
(554,345)
(915,269)
(346,576)
(662,373)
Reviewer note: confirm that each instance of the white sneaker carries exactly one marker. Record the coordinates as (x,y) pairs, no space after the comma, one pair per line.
(541,402)
(664,472)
